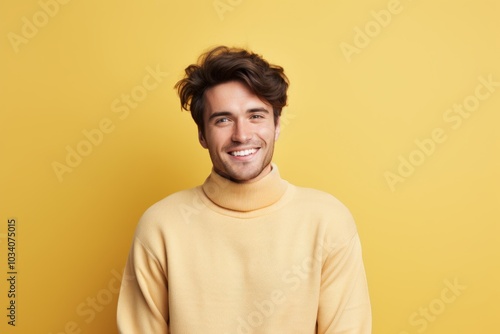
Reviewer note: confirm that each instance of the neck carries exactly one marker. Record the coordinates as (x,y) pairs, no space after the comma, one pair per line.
(258,194)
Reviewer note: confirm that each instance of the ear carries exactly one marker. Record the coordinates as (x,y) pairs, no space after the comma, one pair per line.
(277,129)
(201,139)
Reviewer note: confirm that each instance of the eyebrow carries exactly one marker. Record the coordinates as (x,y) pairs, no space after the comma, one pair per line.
(218,114)
(259,109)
(227,113)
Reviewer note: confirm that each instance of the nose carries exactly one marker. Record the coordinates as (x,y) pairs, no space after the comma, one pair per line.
(241,132)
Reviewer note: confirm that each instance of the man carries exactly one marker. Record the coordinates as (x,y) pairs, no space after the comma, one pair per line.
(246,252)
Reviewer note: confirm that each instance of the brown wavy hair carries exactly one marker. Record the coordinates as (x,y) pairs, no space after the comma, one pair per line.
(223,64)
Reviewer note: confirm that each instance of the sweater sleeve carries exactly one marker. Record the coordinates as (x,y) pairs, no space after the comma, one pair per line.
(344,306)
(143,300)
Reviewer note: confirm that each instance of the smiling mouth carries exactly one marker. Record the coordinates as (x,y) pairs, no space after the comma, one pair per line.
(243,153)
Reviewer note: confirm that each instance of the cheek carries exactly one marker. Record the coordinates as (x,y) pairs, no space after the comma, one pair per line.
(268,134)
(217,139)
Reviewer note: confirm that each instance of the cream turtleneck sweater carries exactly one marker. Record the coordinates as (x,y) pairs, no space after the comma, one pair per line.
(228,258)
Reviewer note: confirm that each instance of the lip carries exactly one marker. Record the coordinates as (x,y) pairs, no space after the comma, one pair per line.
(246,157)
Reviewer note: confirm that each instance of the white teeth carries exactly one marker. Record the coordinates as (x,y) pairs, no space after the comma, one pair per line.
(243,153)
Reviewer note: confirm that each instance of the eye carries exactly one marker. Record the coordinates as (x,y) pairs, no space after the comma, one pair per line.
(222,120)
(256,116)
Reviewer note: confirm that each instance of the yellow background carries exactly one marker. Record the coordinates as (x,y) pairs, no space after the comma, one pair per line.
(349,120)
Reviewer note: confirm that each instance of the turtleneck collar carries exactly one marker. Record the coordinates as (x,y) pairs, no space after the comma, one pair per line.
(245,197)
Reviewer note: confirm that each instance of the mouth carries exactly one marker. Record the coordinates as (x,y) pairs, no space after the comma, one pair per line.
(243,153)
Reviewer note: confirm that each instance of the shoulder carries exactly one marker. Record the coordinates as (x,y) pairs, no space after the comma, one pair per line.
(321,200)
(168,204)
(168,212)
(332,214)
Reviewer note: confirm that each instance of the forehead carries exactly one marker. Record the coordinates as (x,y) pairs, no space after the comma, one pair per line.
(232,96)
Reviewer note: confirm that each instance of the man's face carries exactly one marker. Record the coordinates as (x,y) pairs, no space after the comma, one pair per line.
(239,132)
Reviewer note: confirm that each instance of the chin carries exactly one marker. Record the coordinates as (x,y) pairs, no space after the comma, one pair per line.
(245,176)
